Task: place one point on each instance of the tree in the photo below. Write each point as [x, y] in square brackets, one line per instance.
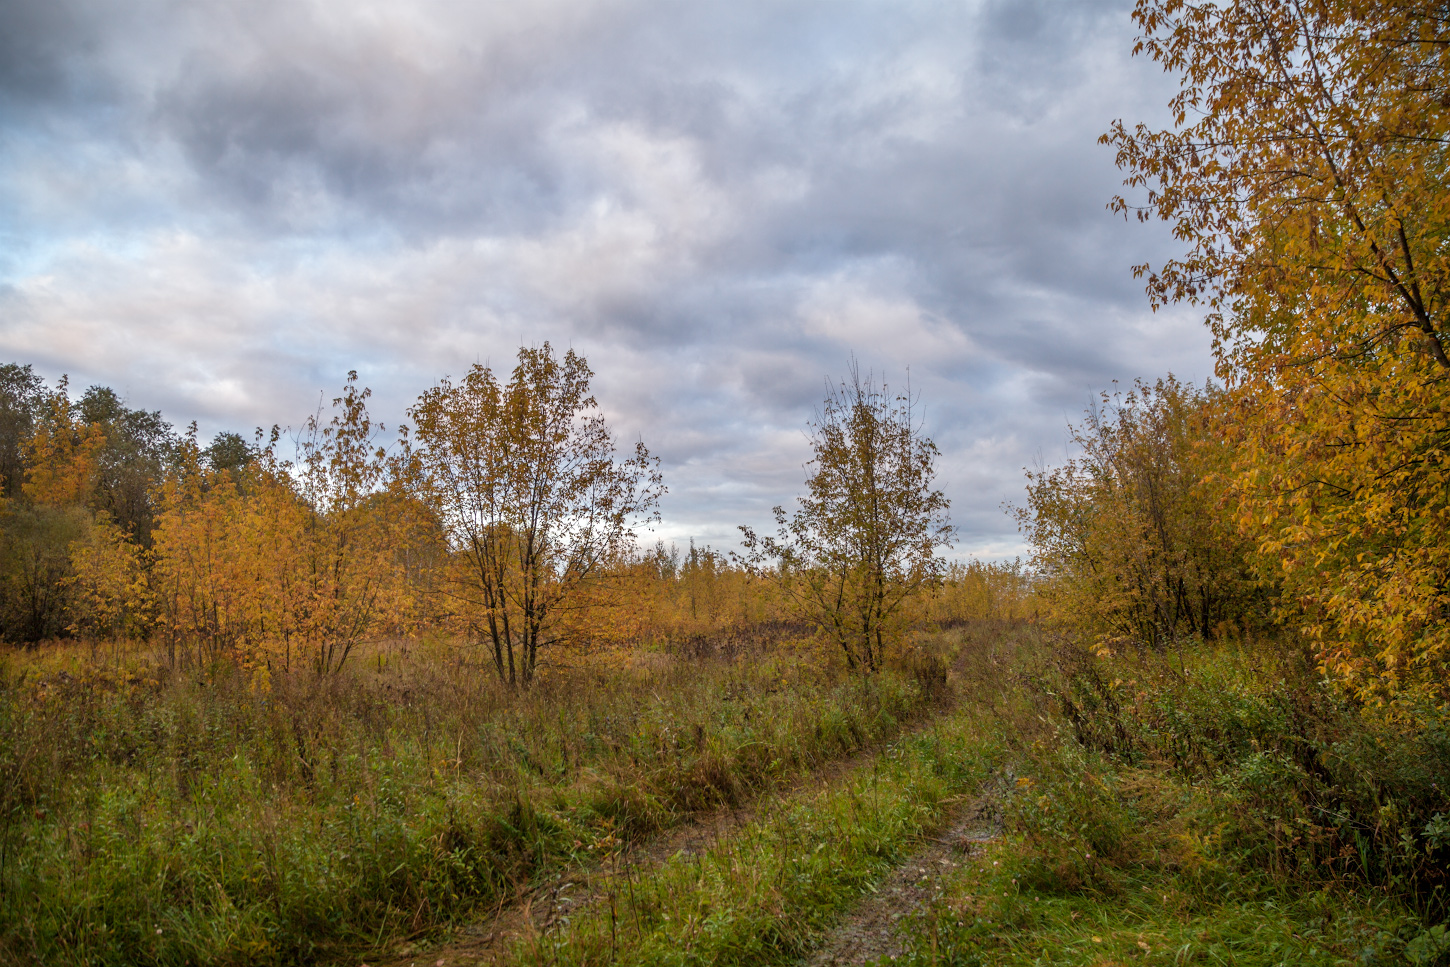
[213, 550]
[864, 538]
[129, 463]
[270, 559]
[1128, 538]
[109, 584]
[62, 453]
[22, 400]
[58, 457]
[1306, 173]
[35, 569]
[525, 482]
[229, 451]
[347, 534]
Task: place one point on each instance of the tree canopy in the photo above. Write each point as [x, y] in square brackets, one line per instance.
[1305, 173]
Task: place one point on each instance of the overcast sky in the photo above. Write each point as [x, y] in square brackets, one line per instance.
[220, 207]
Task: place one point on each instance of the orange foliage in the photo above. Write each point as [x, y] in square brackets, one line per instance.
[288, 561]
[1305, 173]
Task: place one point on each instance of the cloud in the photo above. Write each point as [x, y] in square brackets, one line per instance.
[220, 209]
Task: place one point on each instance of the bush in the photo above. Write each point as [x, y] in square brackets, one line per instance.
[1293, 776]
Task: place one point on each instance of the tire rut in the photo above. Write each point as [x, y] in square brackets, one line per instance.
[532, 914]
[870, 931]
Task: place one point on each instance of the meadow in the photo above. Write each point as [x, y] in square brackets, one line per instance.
[1219, 804]
[430, 697]
[152, 815]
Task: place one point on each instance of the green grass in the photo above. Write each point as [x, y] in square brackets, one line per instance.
[1204, 808]
[766, 894]
[1218, 807]
[1222, 805]
[984, 917]
[156, 818]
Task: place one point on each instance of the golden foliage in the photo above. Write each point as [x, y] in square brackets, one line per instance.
[213, 549]
[1307, 174]
[286, 561]
[524, 481]
[61, 454]
[1129, 538]
[111, 578]
[980, 591]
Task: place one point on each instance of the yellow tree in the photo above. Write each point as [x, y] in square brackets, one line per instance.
[211, 553]
[1306, 173]
[111, 581]
[346, 535]
[280, 559]
[61, 453]
[525, 481]
[56, 451]
[865, 537]
[978, 590]
[1128, 537]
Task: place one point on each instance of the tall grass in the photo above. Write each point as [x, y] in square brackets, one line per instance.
[156, 817]
[1217, 804]
[1302, 781]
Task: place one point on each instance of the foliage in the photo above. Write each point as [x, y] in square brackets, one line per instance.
[974, 591]
[1128, 538]
[229, 451]
[135, 455]
[864, 539]
[62, 453]
[279, 561]
[345, 579]
[110, 582]
[22, 399]
[1306, 173]
[79, 477]
[214, 548]
[524, 480]
[35, 568]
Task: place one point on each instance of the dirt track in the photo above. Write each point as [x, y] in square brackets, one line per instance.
[869, 930]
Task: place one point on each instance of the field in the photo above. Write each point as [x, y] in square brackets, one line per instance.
[728, 803]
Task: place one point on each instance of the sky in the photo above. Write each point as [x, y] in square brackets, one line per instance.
[220, 208]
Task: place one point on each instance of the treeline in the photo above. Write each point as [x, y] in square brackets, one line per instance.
[502, 514]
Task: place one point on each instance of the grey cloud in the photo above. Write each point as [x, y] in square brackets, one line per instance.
[225, 207]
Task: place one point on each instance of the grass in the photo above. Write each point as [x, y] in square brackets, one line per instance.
[1219, 807]
[766, 894]
[1205, 809]
[151, 817]
[1220, 804]
[984, 917]
[1160, 892]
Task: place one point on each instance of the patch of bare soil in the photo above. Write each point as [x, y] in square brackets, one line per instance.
[870, 930]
